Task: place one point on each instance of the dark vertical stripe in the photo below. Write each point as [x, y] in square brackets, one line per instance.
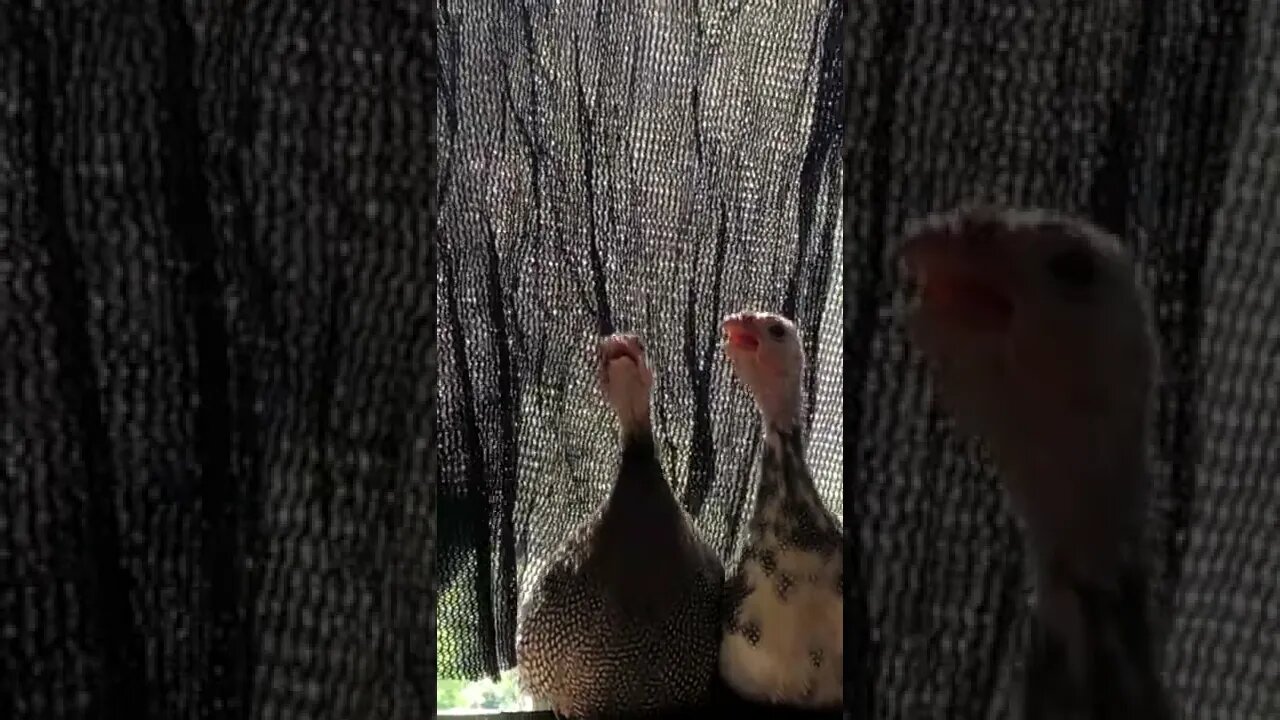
[825, 134]
[1214, 141]
[702, 461]
[862, 664]
[1113, 180]
[191, 228]
[110, 587]
[444, 112]
[477, 489]
[421, 663]
[239, 77]
[506, 472]
[588, 145]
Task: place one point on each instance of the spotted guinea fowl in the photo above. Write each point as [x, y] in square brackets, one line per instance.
[784, 634]
[1039, 341]
[625, 620]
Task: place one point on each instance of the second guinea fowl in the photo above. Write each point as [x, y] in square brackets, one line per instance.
[625, 621]
[784, 634]
[1039, 340]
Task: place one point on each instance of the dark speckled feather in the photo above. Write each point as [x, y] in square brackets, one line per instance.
[626, 619]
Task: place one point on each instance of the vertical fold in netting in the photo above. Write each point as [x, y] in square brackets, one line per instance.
[216, 364]
[1224, 657]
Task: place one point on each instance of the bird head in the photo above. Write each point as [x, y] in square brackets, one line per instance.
[765, 351]
[625, 379]
[1037, 337]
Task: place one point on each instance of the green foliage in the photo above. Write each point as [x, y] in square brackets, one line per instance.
[449, 693]
[484, 694]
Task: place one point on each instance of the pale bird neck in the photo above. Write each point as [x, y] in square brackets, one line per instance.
[781, 412]
[781, 428]
[632, 409]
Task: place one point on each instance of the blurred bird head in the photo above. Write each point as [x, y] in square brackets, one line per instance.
[1038, 339]
[625, 379]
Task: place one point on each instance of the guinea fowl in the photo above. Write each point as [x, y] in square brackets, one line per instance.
[625, 620]
[1040, 342]
[783, 638]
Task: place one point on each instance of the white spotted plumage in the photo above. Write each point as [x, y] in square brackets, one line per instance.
[783, 640]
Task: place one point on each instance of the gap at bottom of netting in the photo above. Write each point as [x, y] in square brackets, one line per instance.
[737, 711]
[724, 701]
[500, 698]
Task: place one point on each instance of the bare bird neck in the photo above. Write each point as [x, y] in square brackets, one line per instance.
[640, 475]
[640, 538]
[782, 419]
[635, 430]
[1090, 524]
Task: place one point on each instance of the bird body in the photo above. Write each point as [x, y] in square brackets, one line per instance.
[784, 631]
[1039, 341]
[625, 620]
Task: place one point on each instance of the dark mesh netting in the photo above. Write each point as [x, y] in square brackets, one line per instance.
[216, 360]
[218, 315]
[608, 167]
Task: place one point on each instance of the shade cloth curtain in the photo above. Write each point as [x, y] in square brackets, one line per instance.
[216, 387]
[620, 167]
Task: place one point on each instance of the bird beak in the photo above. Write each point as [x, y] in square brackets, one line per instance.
[739, 332]
[948, 279]
[616, 347]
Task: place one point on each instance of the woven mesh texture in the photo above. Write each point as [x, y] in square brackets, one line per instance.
[216, 369]
[611, 166]
[217, 348]
[1159, 121]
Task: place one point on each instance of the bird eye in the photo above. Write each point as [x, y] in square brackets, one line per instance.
[777, 331]
[1075, 268]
